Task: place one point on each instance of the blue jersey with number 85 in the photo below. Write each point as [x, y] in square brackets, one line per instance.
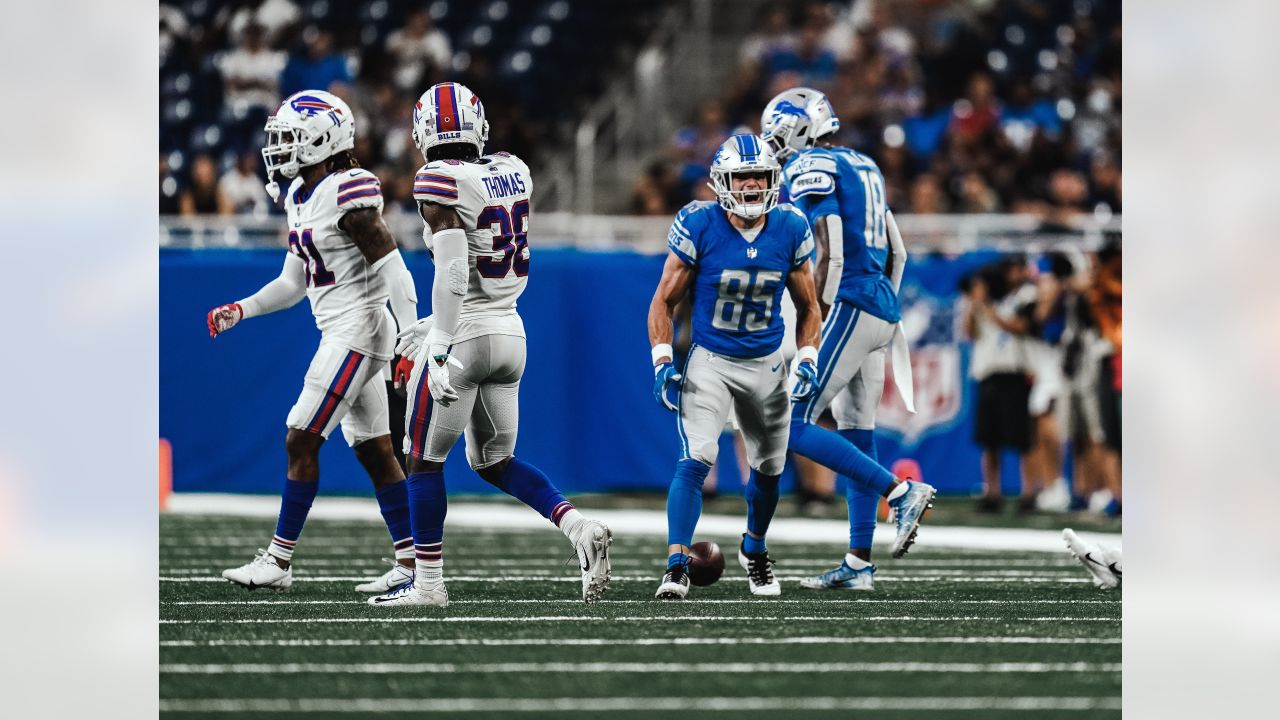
[738, 284]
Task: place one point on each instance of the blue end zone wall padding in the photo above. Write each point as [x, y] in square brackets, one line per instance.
[587, 415]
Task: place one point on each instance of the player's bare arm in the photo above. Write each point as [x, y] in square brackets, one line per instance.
[829, 261]
[673, 286]
[369, 232]
[800, 283]
[440, 217]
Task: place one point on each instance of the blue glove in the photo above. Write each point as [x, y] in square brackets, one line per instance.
[666, 379]
[806, 380]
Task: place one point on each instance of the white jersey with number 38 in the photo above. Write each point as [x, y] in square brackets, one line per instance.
[491, 196]
[347, 297]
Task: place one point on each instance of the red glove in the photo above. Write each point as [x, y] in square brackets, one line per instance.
[223, 318]
[400, 373]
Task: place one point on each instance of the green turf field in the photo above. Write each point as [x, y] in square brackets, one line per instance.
[946, 634]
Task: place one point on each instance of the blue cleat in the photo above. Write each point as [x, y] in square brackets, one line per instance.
[842, 577]
[910, 508]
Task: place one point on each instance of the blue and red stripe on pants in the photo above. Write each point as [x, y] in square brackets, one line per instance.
[337, 391]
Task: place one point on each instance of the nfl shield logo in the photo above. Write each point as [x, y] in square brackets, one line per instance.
[751, 252]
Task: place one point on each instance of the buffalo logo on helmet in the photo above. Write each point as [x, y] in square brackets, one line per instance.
[311, 105]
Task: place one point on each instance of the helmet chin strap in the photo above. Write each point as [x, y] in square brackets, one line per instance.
[273, 189]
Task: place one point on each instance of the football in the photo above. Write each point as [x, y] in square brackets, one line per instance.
[706, 563]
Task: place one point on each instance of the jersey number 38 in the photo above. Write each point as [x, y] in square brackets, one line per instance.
[510, 237]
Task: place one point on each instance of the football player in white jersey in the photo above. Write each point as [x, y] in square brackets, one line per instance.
[469, 356]
[343, 258]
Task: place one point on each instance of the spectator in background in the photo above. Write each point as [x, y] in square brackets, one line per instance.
[810, 60]
[773, 36]
[242, 187]
[1104, 176]
[419, 51]
[251, 74]
[976, 196]
[319, 68]
[926, 196]
[695, 145]
[275, 17]
[1105, 300]
[202, 196]
[976, 113]
[655, 192]
[995, 323]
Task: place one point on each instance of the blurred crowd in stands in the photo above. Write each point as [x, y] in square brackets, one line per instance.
[1046, 341]
[968, 106]
[225, 66]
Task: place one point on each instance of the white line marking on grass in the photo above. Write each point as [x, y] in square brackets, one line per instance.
[1065, 578]
[816, 599]
[646, 523]
[526, 668]
[637, 642]
[667, 703]
[629, 618]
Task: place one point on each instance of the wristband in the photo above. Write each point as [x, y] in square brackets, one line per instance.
[662, 350]
[808, 353]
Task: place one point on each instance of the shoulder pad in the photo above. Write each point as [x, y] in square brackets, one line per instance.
[814, 182]
[816, 159]
[358, 188]
[682, 239]
[504, 155]
[437, 182]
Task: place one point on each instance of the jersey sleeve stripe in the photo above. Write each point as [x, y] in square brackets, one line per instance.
[428, 177]
[357, 183]
[358, 193]
[435, 186]
[421, 192]
[804, 250]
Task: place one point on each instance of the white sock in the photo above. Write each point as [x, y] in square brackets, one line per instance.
[428, 572]
[282, 548]
[569, 522]
[404, 549]
[855, 562]
[898, 491]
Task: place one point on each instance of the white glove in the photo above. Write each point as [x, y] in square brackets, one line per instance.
[438, 361]
[411, 339]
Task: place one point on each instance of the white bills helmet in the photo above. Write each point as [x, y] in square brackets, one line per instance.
[745, 155]
[449, 113]
[794, 119]
[309, 127]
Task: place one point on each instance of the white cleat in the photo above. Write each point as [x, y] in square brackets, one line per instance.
[843, 577]
[390, 580]
[408, 594]
[1104, 565]
[592, 541]
[261, 572]
[759, 573]
[675, 584]
[909, 509]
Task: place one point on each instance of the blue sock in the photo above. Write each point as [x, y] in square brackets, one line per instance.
[428, 505]
[762, 501]
[684, 501]
[532, 487]
[295, 503]
[675, 559]
[828, 449]
[393, 501]
[862, 502]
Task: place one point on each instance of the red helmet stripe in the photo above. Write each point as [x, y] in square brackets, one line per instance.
[447, 109]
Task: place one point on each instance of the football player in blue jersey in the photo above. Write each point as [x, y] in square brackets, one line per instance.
[841, 193]
[735, 257]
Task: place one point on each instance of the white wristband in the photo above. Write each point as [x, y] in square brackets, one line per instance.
[807, 353]
[662, 350]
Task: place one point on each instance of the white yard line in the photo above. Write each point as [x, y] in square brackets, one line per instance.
[637, 642]
[629, 618]
[552, 563]
[816, 599]
[667, 703]
[527, 668]
[1064, 578]
[640, 522]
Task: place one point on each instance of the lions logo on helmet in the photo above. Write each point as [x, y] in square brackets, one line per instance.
[794, 120]
[745, 155]
[449, 113]
[308, 128]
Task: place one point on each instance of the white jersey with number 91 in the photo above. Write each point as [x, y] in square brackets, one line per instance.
[491, 196]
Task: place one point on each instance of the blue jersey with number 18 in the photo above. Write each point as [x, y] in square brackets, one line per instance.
[839, 181]
[738, 283]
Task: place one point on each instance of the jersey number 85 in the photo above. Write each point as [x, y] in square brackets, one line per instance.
[736, 289]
